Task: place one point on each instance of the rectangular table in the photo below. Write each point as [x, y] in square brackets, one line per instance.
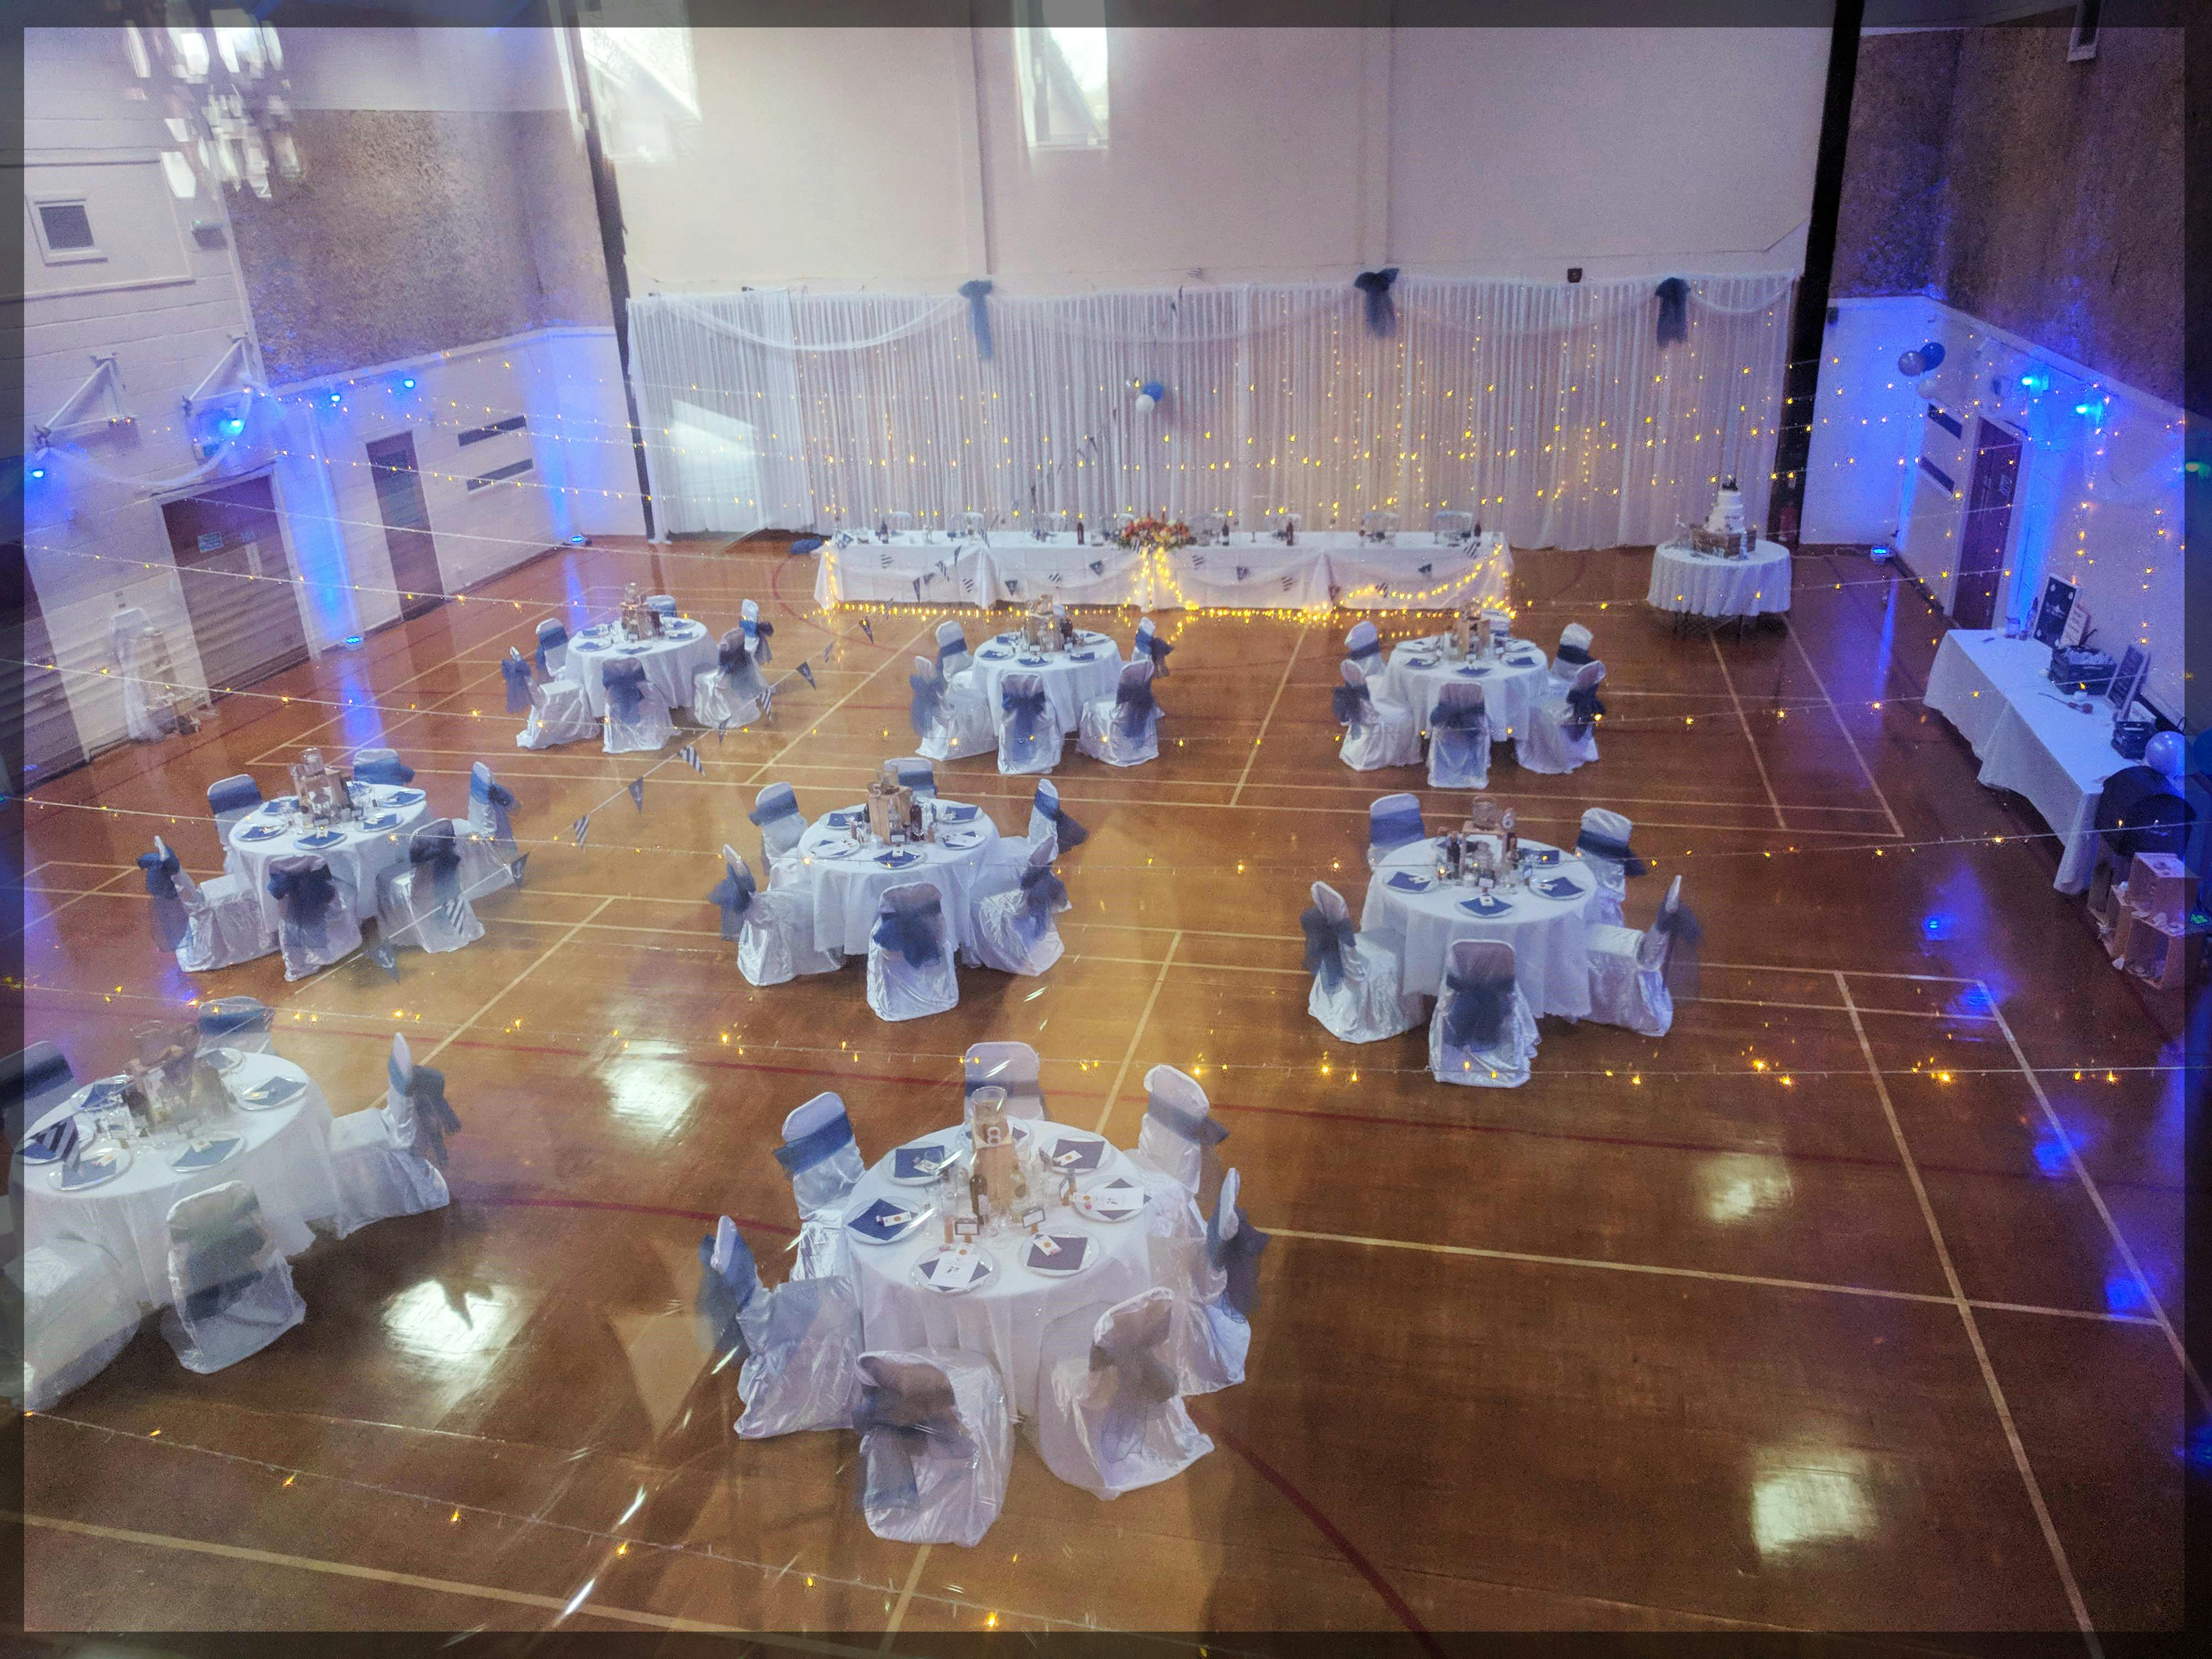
[1992, 689]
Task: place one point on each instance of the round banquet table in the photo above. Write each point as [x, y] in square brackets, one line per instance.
[845, 883]
[1514, 681]
[671, 661]
[1071, 678]
[1004, 1319]
[1549, 936]
[1707, 585]
[286, 1159]
[359, 854]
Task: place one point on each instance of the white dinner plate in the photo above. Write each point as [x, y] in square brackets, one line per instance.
[985, 1268]
[93, 1170]
[1118, 1199]
[1074, 1253]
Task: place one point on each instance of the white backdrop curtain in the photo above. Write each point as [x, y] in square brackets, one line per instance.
[1549, 411]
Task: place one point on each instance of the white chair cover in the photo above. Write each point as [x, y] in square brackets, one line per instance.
[1504, 1063]
[775, 811]
[415, 906]
[1149, 647]
[559, 713]
[756, 633]
[1029, 730]
[823, 1163]
[734, 692]
[382, 767]
[1459, 755]
[940, 1487]
[1379, 733]
[310, 936]
[953, 657]
[649, 728]
[1572, 657]
[1014, 932]
[1392, 822]
[1108, 1417]
[244, 1023]
[661, 603]
[224, 922]
[553, 649]
[1363, 646]
[230, 1287]
[957, 722]
[801, 1340]
[77, 1316]
[1610, 828]
[1007, 858]
[1103, 732]
[487, 849]
[899, 986]
[1214, 1280]
[1550, 745]
[1355, 992]
[1172, 1146]
[381, 1156]
[1011, 1066]
[774, 936]
[915, 773]
[1628, 973]
[229, 800]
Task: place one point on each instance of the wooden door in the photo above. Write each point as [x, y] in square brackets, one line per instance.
[245, 630]
[415, 570]
[1988, 520]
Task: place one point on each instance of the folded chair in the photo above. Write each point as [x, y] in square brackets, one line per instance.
[733, 692]
[77, 1315]
[637, 714]
[1012, 1068]
[1603, 846]
[949, 722]
[489, 854]
[1030, 731]
[1376, 734]
[774, 937]
[1562, 734]
[1634, 977]
[207, 925]
[317, 925]
[1393, 821]
[799, 1345]
[1124, 729]
[425, 904]
[1014, 932]
[560, 713]
[823, 1164]
[1459, 737]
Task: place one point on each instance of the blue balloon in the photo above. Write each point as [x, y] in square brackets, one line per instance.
[1153, 390]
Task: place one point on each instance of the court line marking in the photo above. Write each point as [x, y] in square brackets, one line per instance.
[896, 654]
[1974, 1341]
[309, 699]
[1144, 1018]
[1781, 819]
[2097, 1198]
[905, 1595]
[1865, 770]
[1260, 736]
[53, 910]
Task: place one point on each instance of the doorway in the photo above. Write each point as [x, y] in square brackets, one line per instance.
[245, 630]
[1987, 524]
[37, 730]
[415, 570]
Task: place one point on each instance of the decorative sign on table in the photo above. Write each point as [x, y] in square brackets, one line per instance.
[2051, 616]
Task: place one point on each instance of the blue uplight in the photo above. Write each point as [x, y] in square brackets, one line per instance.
[234, 425]
[2037, 380]
[1938, 925]
[2123, 1293]
[335, 398]
[38, 472]
[353, 639]
[408, 385]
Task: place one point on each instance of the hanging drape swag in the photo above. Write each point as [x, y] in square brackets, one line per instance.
[1042, 893]
[1582, 708]
[1142, 1384]
[434, 1119]
[1026, 713]
[1469, 717]
[1382, 315]
[1674, 297]
[171, 924]
[625, 686]
[1326, 940]
[305, 896]
[1475, 1018]
[435, 851]
[1071, 833]
[978, 294]
[1684, 935]
[723, 1296]
[1134, 706]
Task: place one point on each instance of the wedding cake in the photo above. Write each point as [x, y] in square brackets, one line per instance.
[1726, 517]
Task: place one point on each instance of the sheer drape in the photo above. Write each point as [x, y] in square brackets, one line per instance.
[1551, 412]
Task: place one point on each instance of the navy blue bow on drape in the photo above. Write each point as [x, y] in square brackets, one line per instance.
[1071, 834]
[1614, 852]
[898, 1424]
[1142, 1384]
[726, 1295]
[913, 933]
[1133, 709]
[757, 635]
[1475, 1016]
[1327, 941]
[1582, 709]
[1350, 704]
[434, 850]
[1573, 654]
[1239, 1257]
[927, 712]
[1042, 895]
[1025, 711]
[1684, 934]
[171, 924]
[1382, 315]
[977, 295]
[734, 893]
[516, 672]
[1674, 297]
[305, 895]
[625, 684]
[558, 639]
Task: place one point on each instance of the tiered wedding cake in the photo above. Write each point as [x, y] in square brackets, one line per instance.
[1724, 531]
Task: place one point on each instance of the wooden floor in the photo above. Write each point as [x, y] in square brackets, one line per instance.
[1848, 1305]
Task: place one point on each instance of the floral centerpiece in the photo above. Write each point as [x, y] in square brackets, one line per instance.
[1163, 534]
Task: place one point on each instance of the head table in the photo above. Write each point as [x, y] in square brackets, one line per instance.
[846, 877]
[1551, 953]
[359, 849]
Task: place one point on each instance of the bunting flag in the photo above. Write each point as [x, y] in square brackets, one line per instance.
[869, 631]
[450, 914]
[807, 673]
[689, 754]
[637, 793]
[829, 652]
[722, 730]
[580, 828]
[517, 868]
[382, 955]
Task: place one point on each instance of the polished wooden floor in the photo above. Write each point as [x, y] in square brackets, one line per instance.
[1850, 1305]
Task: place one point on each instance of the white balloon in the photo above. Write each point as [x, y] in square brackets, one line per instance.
[1146, 404]
[1928, 385]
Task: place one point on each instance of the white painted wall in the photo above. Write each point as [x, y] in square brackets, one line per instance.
[894, 159]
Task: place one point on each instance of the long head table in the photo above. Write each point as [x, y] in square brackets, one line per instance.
[1324, 568]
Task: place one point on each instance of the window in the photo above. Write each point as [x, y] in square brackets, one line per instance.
[65, 229]
[1063, 75]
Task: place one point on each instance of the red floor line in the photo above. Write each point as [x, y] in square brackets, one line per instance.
[1328, 1528]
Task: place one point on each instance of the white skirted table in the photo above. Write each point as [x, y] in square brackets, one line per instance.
[1003, 1315]
[1072, 678]
[359, 850]
[846, 877]
[1998, 693]
[1549, 936]
[1693, 584]
[279, 1143]
[671, 661]
[1514, 681]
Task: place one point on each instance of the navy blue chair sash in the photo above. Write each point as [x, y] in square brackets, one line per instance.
[515, 671]
[625, 684]
[1026, 712]
[1685, 933]
[1326, 944]
[1582, 708]
[1236, 1256]
[800, 1156]
[1475, 1017]
[734, 893]
[171, 924]
[1196, 1127]
[435, 851]
[1350, 704]
[1574, 654]
[1394, 828]
[306, 897]
[916, 934]
[1615, 852]
[554, 640]
[1133, 706]
[1071, 833]
[897, 1427]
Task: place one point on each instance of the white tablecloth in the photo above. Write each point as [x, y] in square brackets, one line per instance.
[1707, 585]
[1550, 951]
[286, 1160]
[1068, 682]
[845, 891]
[1253, 572]
[1512, 690]
[359, 854]
[1993, 689]
[1004, 1319]
[670, 661]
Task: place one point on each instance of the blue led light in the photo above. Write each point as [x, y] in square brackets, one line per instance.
[335, 396]
[408, 384]
[38, 472]
[353, 639]
[1938, 924]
